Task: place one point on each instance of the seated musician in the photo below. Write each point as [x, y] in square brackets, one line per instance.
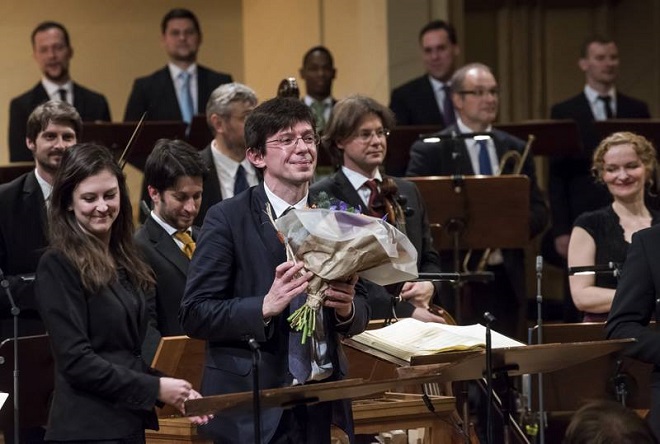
[475, 96]
[626, 163]
[356, 136]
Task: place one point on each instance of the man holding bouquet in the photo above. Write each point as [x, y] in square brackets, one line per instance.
[241, 287]
[356, 136]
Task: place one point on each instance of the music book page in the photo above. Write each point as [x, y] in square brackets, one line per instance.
[410, 337]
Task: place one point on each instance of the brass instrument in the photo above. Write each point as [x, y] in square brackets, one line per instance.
[517, 166]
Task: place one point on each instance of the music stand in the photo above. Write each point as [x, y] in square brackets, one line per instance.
[596, 379]
[649, 128]
[399, 143]
[14, 170]
[199, 135]
[115, 136]
[553, 138]
[475, 212]
[36, 381]
[515, 361]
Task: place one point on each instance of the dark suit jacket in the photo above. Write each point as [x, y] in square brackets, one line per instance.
[23, 239]
[417, 230]
[446, 158]
[212, 193]
[635, 303]
[414, 103]
[156, 94]
[103, 388]
[170, 266]
[572, 188]
[231, 272]
[90, 105]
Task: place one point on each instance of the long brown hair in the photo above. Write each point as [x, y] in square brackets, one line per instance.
[97, 263]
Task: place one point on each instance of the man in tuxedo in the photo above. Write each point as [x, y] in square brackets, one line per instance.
[572, 187]
[318, 72]
[52, 51]
[476, 96]
[181, 89]
[174, 174]
[635, 304]
[357, 136]
[230, 172]
[426, 100]
[241, 287]
[52, 127]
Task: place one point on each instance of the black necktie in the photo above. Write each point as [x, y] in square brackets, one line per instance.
[449, 116]
[240, 181]
[62, 93]
[606, 104]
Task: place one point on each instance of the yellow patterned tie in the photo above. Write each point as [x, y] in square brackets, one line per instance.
[188, 243]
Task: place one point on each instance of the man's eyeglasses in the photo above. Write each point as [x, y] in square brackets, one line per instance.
[289, 142]
[365, 136]
[479, 93]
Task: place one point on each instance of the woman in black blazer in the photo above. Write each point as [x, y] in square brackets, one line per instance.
[90, 292]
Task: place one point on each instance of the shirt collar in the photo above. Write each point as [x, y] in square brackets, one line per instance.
[464, 129]
[280, 206]
[52, 87]
[327, 102]
[46, 188]
[227, 163]
[437, 84]
[169, 229]
[592, 94]
[358, 180]
[175, 70]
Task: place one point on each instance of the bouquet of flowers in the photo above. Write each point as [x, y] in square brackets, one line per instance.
[335, 244]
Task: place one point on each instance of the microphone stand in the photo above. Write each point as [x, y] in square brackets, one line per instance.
[15, 312]
[256, 402]
[489, 378]
[539, 323]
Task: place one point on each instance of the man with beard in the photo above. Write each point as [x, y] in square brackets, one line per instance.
[229, 170]
[51, 128]
[52, 51]
[181, 89]
[174, 173]
[318, 72]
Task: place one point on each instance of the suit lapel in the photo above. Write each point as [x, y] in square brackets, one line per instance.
[264, 226]
[430, 103]
[39, 95]
[212, 185]
[166, 246]
[34, 198]
[129, 301]
[78, 100]
[344, 191]
[169, 91]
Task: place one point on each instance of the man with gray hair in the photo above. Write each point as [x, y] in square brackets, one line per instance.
[229, 171]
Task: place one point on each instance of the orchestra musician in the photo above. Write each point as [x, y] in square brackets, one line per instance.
[626, 163]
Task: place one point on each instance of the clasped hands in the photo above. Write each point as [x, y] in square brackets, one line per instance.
[291, 279]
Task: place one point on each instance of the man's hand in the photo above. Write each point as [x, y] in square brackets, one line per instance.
[423, 314]
[419, 294]
[339, 295]
[174, 391]
[197, 420]
[285, 287]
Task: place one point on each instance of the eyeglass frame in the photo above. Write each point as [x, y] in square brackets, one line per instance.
[364, 138]
[294, 143]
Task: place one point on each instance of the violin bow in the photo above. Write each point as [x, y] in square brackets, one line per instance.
[123, 158]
